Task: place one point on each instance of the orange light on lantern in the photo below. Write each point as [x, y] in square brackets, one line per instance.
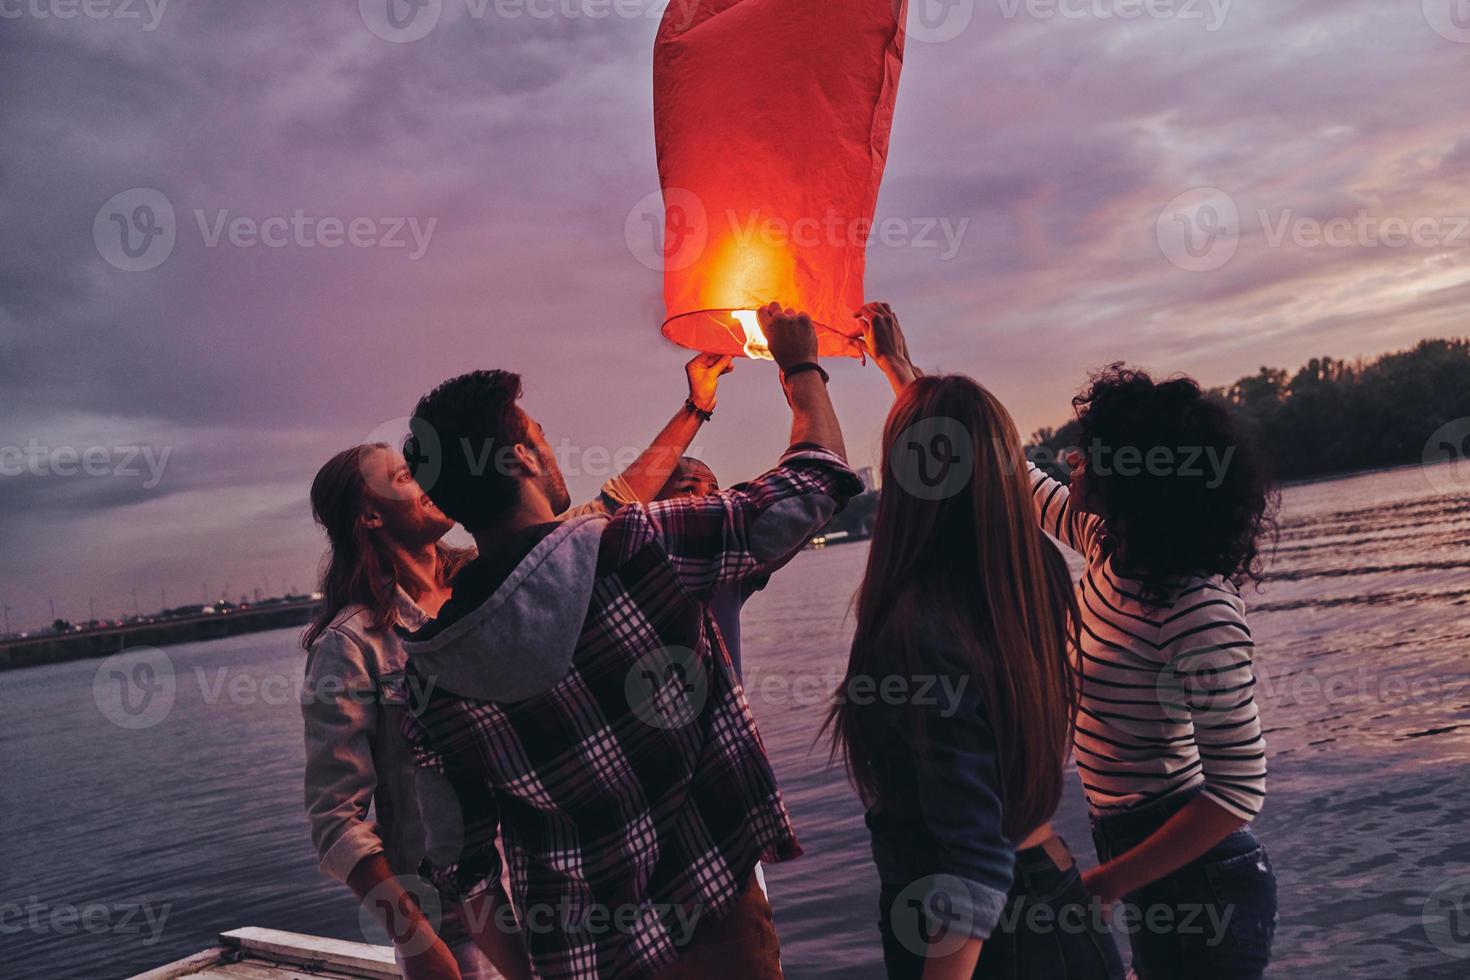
[772, 122]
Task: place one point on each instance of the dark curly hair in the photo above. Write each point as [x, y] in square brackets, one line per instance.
[461, 432]
[1182, 490]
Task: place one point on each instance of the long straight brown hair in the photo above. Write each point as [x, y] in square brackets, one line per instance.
[356, 569]
[976, 559]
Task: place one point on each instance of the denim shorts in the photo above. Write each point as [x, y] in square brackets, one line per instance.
[1051, 929]
[1213, 919]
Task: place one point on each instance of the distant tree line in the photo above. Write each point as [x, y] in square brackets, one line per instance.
[1334, 416]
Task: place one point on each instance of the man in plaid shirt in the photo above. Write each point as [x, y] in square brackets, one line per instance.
[573, 697]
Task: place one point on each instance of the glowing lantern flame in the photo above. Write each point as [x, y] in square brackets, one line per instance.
[755, 345]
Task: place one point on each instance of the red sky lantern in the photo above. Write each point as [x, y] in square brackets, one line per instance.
[772, 120]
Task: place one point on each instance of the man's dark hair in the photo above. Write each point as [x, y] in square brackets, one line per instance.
[1182, 519]
[460, 449]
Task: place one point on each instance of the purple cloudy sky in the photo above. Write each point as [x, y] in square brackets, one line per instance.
[1059, 137]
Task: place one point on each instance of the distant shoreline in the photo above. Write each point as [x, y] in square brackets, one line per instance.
[52, 648]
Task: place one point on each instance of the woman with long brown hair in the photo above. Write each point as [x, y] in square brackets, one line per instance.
[955, 715]
[374, 515]
[386, 566]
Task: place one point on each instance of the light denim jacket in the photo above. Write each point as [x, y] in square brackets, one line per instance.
[354, 754]
[356, 760]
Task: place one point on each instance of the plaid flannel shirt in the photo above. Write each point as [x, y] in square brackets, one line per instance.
[634, 796]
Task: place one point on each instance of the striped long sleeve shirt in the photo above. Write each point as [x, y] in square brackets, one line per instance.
[1168, 687]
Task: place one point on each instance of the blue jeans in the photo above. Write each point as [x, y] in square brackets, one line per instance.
[1213, 919]
[1069, 940]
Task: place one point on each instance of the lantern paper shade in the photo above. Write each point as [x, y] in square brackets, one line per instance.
[772, 120]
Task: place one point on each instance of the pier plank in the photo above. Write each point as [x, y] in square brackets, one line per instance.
[253, 953]
[292, 947]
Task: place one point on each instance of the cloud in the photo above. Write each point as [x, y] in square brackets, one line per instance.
[1055, 142]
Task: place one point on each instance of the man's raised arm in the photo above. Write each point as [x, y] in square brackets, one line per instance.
[646, 476]
[793, 343]
[651, 470]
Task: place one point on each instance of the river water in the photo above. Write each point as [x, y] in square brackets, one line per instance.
[126, 846]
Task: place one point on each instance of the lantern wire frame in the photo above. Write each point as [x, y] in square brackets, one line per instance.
[720, 331]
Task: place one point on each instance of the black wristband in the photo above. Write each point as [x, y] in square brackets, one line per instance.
[704, 416]
[796, 369]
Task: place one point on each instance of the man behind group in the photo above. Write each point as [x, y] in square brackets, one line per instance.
[692, 478]
[577, 704]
